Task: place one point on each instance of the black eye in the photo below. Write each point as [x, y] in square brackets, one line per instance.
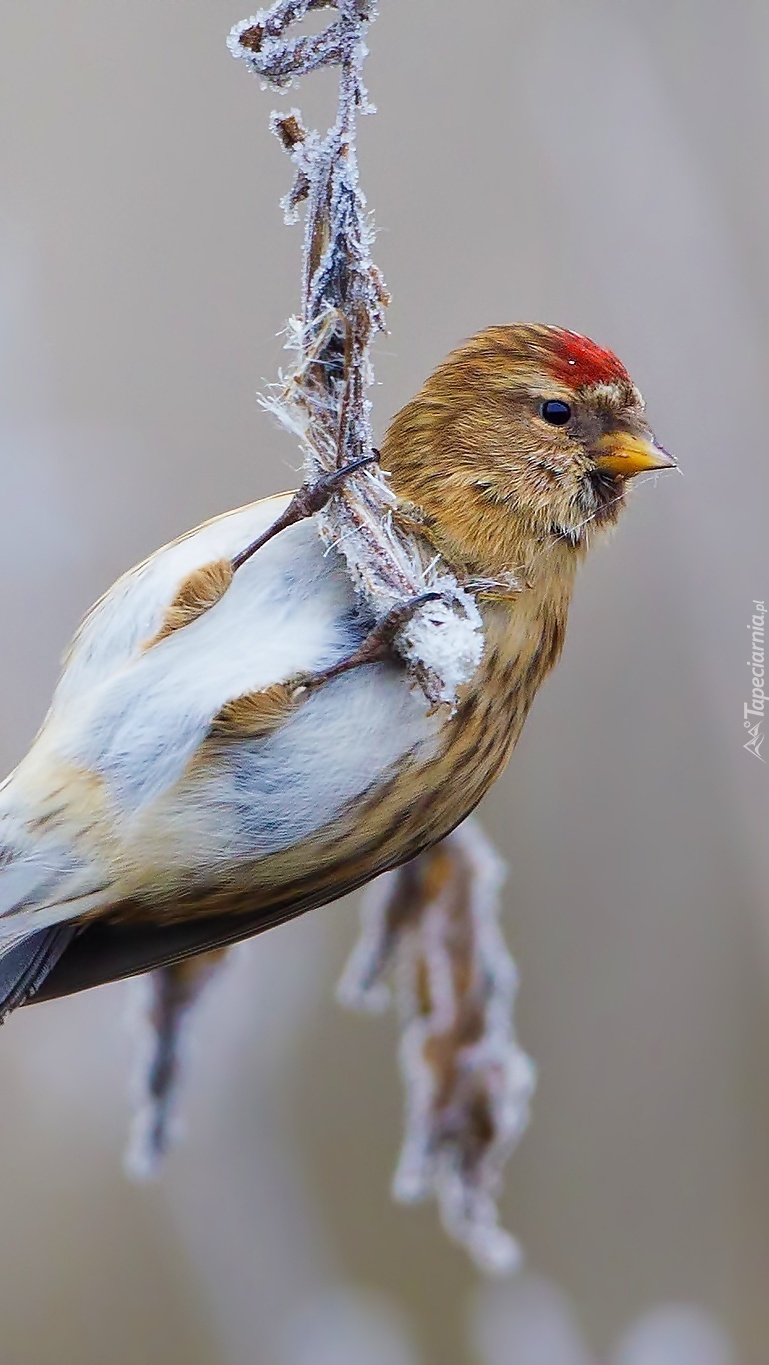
[555, 412]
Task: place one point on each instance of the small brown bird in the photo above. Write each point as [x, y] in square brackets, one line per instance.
[231, 742]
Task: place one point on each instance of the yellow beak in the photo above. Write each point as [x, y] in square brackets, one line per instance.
[620, 452]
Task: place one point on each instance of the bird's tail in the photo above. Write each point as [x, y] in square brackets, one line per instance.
[44, 890]
[24, 967]
[43, 893]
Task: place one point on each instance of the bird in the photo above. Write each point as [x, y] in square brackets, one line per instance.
[234, 740]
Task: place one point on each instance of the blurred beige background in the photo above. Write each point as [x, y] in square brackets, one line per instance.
[589, 162]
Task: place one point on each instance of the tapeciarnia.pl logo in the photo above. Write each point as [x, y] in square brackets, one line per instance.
[754, 711]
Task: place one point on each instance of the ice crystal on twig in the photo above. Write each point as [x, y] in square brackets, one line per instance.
[169, 995]
[432, 926]
[323, 398]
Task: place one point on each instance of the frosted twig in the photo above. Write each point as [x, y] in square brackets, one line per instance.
[433, 927]
[323, 399]
[171, 993]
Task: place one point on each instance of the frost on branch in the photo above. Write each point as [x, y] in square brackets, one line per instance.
[322, 399]
[432, 928]
[169, 993]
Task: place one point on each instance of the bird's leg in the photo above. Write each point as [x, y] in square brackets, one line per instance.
[376, 647]
[309, 499]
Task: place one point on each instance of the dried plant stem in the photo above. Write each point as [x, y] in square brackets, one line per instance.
[169, 994]
[323, 398]
[432, 927]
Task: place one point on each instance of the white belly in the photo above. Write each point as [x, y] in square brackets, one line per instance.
[137, 718]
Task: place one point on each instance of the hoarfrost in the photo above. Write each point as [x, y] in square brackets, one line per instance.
[432, 928]
[322, 400]
[168, 995]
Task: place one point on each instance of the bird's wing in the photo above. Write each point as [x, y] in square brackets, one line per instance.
[134, 609]
[47, 796]
[124, 796]
[47, 877]
[101, 952]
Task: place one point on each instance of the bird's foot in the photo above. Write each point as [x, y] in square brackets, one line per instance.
[378, 645]
[309, 499]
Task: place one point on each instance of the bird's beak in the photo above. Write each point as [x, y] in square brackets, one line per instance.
[624, 453]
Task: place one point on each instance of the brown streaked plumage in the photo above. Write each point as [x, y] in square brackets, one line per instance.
[196, 595]
[255, 713]
[226, 796]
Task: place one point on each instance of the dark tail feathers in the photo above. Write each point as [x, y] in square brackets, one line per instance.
[24, 967]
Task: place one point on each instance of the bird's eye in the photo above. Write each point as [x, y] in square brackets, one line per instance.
[555, 412]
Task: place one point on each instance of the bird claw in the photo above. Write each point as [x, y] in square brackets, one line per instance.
[313, 497]
[309, 499]
[377, 646]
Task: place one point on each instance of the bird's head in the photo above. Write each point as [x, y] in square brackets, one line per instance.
[522, 441]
